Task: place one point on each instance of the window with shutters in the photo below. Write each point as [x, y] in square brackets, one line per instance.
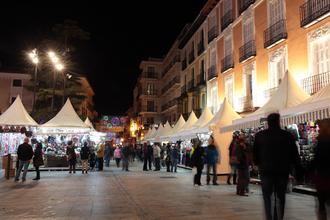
[229, 89]
[275, 11]
[277, 67]
[248, 30]
[228, 47]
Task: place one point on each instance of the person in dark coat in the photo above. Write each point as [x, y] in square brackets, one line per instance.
[24, 154]
[242, 166]
[38, 160]
[197, 160]
[212, 158]
[175, 155]
[168, 158]
[321, 164]
[107, 155]
[233, 160]
[84, 156]
[150, 155]
[145, 156]
[72, 158]
[125, 154]
[275, 153]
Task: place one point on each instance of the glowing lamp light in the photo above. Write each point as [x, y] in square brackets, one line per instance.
[59, 67]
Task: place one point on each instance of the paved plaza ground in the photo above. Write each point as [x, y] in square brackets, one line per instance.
[114, 194]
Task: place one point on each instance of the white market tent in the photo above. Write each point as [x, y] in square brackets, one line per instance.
[17, 115]
[152, 134]
[157, 132]
[316, 107]
[166, 129]
[203, 121]
[188, 125]
[66, 118]
[179, 124]
[146, 136]
[288, 94]
[89, 123]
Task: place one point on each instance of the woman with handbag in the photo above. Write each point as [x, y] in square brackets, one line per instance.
[38, 160]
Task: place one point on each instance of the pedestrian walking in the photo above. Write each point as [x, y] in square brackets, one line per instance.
[84, 156]
[92, 159]
[72, 157]
[212, 158]
[242, 167]
[275, 153]
[150, 155]
[145, 156]
[233, 162]
[100, 156]
[24, 155]
[321, 164]
[156, 153]
[117, 155]
[175, 155]
[38, 160]
[107, 155]
[168, 158]
[197, 160]
[125, 155]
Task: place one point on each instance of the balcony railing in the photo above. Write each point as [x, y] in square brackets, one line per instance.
[315, 83]
[227, 63]
[213, 33]
[245, 4]
[191, 57]
[153, 92]
[175, 60]
[191, 85]
[174, 81]
[312, 11]
[184, 64]
[275, 34]
[212, 72]
[247, 51]
[227, 19]
[145, 108]
[183, 90]
[149, 75]
[245, 103]
[200, 47]
[201, 79]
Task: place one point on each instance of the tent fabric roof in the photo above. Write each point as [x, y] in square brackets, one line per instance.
[89, 123]
[179, 124]
[159, 130]
[316, 107]
[17, 115]
[66, 118]
[151, 134]
[203, 120]
[188, 125]
[167, 128]
[288, 94]
[146, 136]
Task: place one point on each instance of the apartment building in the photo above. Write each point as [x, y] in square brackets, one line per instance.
[241, 49]
[148, 91]
[11, 85]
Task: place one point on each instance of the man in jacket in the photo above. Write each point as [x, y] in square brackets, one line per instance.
[100, 156]
[275, 152]
[149, 155]
[84, 156]
[197, 160]
[157, 157]
[212, 157]
[125, 153]
[175, 158]
[24, 154]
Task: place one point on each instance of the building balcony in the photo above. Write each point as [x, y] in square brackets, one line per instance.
[169, 66]
[183, 90]
[313, 11]
[183, 64]
[191, 57]
[200, 47]
[227, 19]
[149, 75]
[148, 109]
[212, 72]
[275, 34]
[172, 84]
[147, 92]
[227, 63]
[244, 4]
[247, 51]
[213, 33]
[245, 103]
[201, 80]
[191, 85]
[315, 83]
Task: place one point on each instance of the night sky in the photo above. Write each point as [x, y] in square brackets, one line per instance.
[122, 34]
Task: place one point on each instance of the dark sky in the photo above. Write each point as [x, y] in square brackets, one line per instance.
[122, 34]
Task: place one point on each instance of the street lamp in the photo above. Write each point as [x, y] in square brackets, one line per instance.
[35, 60]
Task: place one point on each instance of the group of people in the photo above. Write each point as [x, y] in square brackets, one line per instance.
[155, 155]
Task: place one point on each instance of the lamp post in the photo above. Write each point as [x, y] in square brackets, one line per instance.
[35, 60]
[57, 67]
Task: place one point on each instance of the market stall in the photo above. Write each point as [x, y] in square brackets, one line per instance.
[15, 125]
[54, 134]
[166, 130]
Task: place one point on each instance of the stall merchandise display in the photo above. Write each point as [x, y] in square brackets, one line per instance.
[9, 142]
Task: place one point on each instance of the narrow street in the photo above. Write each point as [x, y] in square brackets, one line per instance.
[114, 194]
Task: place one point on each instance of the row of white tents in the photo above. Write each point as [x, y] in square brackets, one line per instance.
[294, 105]
[66, 118]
